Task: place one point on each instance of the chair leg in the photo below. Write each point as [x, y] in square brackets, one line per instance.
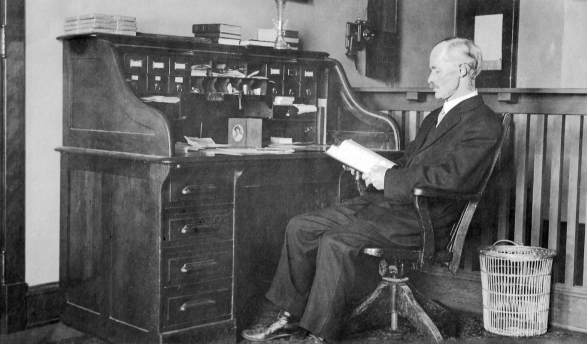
[393, 305]
[408, 307]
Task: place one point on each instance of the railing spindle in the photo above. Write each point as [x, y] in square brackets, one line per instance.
[537, 130]
[520, 163]
[555, 157]
[583, 196]
[572, 144]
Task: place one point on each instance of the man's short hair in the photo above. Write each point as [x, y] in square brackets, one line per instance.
[465, 51]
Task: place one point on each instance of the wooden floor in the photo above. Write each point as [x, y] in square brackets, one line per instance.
[471, 332]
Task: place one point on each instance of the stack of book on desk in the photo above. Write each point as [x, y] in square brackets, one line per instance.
[102, 23]
[218, 33]
[266, 38]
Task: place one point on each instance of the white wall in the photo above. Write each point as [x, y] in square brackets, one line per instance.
[552, 44]
[321, 24]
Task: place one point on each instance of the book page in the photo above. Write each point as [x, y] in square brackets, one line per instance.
[358, 157]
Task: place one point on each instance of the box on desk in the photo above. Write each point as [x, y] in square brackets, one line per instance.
[245, 132]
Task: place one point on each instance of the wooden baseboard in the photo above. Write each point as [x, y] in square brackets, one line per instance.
[44, 304]
[460, 293]
[568, 308]
[463, 293]
[13, 307]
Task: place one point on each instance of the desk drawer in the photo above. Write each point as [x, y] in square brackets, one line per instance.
[202, 263]
[205, 301]
[205, 187]
[205, 224]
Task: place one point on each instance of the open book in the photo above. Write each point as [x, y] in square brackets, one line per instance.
[358, 157]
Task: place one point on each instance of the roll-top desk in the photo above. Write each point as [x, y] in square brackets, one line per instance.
[160, 247]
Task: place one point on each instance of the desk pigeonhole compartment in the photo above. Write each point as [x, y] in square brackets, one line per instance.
[137, 82]
[135, 64]
[158, 83]
[308, 82]
[179, 65]
[157, 65]
[179, 84]
[275, 75]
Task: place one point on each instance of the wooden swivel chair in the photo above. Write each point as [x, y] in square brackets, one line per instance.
[396, 263]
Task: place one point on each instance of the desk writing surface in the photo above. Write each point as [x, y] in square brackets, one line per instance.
[200, 157]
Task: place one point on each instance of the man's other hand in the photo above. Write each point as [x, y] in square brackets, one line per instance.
[376, 177]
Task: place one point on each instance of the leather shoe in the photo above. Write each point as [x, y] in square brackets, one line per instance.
[284, 326]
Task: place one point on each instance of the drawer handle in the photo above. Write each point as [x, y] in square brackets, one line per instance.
[196, 304]
[191, 228]
[192, 189]
[187, 267]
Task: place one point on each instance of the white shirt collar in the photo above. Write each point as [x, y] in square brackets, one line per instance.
[450, 104]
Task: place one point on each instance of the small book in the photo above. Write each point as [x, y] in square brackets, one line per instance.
[95, 21]
[358, 157]
[272, 38]
[214, 35]
[113, 26]
[258, 43]
[226, 41]
[286, 33]
[100, 30]
[214, 28]
[100, 16]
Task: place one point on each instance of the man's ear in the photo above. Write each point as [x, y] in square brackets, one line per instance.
[463, 70]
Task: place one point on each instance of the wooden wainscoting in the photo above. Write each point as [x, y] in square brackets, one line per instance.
[538, 198]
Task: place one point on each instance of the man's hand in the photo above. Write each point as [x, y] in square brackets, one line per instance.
[354, 172]
[376, 177]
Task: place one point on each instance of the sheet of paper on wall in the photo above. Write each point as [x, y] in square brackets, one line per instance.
[488, 36]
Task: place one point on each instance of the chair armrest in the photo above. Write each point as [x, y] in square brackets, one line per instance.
[459, 196]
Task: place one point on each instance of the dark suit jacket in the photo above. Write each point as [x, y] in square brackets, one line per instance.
[454, 157]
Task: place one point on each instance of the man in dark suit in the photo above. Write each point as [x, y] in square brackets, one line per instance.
[320, 260]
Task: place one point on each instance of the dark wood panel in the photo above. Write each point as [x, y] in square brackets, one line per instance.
[120, 121]
[134, 271]
[12, 168]
[86, 252]
[44, 304]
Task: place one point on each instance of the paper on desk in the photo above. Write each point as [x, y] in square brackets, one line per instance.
[184, 148]
[248, 151]
[203, 142]
[281, 140]
[303, 108]
[160, 99]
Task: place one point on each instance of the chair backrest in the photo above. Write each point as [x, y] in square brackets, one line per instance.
[460, 228]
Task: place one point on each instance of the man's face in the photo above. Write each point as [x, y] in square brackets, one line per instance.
[444, 74]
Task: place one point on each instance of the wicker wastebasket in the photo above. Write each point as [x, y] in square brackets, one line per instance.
[516, 288]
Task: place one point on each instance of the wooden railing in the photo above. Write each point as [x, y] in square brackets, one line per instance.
[540, 198]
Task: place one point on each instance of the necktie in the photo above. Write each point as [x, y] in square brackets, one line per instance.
[440, 117]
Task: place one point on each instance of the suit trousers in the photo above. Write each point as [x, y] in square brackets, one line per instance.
[321, 272]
